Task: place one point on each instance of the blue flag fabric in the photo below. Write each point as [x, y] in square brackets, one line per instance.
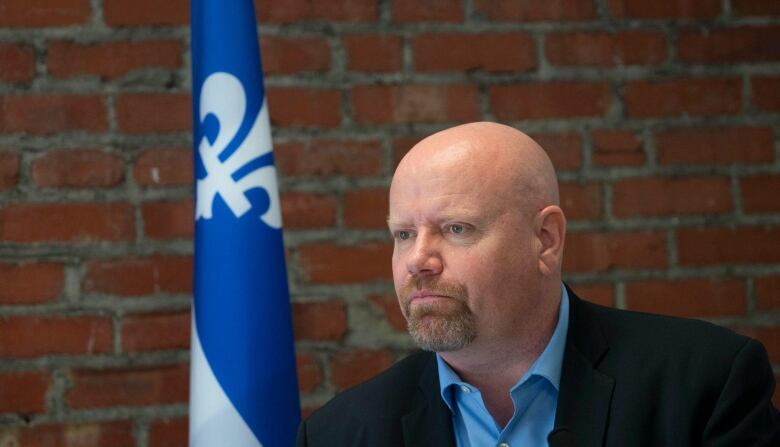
[244, 389]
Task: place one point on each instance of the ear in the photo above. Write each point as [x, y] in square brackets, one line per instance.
[550, 226]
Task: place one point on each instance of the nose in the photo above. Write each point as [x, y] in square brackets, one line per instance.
[425, 257]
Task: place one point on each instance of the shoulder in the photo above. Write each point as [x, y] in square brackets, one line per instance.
[374, 404]
[662, 334]
[661, 348]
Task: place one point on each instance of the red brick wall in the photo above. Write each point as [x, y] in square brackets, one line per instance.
[663, 119]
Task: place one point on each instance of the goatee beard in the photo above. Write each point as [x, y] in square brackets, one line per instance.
[439, 326]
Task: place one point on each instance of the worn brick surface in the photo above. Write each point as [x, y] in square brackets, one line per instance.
[661, 119]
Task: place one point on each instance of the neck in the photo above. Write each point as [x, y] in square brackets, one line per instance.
[495, 366]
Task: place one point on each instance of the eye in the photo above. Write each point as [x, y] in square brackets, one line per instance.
[457, 229]
[404, 235]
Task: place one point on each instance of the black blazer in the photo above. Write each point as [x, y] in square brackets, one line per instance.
[628, 379]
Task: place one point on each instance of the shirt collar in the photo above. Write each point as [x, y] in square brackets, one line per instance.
[547, 365]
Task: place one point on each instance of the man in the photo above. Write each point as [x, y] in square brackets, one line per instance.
[513, 356]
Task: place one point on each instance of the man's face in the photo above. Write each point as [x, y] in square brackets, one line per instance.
[463, 259]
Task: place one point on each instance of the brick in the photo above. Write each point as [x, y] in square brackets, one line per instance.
[39, 13]
[715, 145]
[169, 219]
[682, 9]
[604, 251]
[282, 55]
[697, 297]
[349, 368]
[323, 320]
[659, 196]
[9, 170]
[373, 52]
[152, 385]
[350, 158]
[702, 96]
[402, 145]
[156, 331]
[327, 263]
[32, 336]
[366, 208]
[729, 45]
[580, 200]
[492, 52]
[768, 336]
[599, 293]
[17, 62]
[602, 49]
[67, 222]
[309, 372]
[30, 282]
[308, 210]
[766, 93]
[154, 112]
[564, 149]
[304, 107]
[291, 11]
[617, 148]
[405, 11]
[536, 10]
[139, 276]
[759, 193]
[390, 310]
[768, 292]
[168, 432]
[146, 12]
[164, 166]
[23, 392]
[78, 168]
[87, 434]
[740, 245]
[415, 103]
[551, 99]
[64, 113]
[111, 60]
[755, 8]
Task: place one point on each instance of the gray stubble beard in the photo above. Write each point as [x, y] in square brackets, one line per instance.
[439, 329]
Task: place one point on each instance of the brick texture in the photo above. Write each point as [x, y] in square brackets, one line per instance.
[30, 283]
[557, 99]
[23, 392]
[17, 62]
[94, 388]
[460, 52]
[112, 59]
[80, 168]
[30, 336]
[63, 112]
[66, 222]
[606, 49]
[661, 118]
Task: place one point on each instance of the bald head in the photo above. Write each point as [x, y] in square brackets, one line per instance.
[512, 163]
[478, 238]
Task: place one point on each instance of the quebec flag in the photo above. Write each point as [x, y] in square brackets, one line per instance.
[244, 390]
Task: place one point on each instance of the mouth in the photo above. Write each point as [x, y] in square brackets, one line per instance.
[421, 297]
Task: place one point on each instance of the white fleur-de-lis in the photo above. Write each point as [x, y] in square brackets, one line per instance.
[223, 96]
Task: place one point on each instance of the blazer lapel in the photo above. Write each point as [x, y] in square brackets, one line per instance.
[429, 423]
[585, 393]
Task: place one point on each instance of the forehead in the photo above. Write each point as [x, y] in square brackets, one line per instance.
[451, 180]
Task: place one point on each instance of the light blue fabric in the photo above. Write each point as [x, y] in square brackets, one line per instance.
[535, 397]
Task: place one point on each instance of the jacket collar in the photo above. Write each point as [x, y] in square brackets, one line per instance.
[585, 393]
[429, 422]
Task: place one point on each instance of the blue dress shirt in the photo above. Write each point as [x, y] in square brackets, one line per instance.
[535, 397]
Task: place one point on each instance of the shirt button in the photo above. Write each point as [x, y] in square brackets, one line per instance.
[467, 390]
[504, 444]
